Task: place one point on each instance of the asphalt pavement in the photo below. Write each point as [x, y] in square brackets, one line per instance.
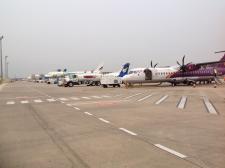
[146, 126]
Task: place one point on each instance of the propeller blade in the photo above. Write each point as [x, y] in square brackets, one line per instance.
[151, 64]
[183, 60]
[178, 63]
[155, 65]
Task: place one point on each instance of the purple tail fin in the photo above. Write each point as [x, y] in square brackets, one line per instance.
[222, 65]
[223, 58]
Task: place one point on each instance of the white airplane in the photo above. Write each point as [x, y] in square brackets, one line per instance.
[55, 74]
[150, 75]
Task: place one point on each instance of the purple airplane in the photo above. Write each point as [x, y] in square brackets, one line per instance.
[183, 73]
[192, 73]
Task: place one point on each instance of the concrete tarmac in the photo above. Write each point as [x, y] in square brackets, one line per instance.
[150, 126]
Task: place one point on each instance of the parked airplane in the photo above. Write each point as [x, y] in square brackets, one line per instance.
[186, 74]
[83, 76]
[55, 74]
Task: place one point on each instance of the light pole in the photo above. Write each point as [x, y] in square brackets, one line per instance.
[6, 67]
[1, 57]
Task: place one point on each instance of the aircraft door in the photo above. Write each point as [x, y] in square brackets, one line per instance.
[148, 74]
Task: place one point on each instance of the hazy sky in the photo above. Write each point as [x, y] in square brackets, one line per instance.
[43, 35]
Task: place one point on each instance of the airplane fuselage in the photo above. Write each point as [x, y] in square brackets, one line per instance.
[171, 74]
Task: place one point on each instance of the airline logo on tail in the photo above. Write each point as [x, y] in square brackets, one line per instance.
[124, 70]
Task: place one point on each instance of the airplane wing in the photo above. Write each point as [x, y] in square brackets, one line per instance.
[209, 63]
[189, 79]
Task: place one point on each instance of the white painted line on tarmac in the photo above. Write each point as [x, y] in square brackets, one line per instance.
[182, 102]
[106, 96]
[76, 108]
[63, 99]
[38, 101]
[62, 102]
[170, 151]
[69, 105]
[86, 98]
[74, 98]
[103, 120]
[162, 99]
[88, 113]
[97, 97]
[209, 106]
[10, 102]
[144, 98]
[127, 131]
[24, 102]
[132, 96]
[51, 100]
[118, 95]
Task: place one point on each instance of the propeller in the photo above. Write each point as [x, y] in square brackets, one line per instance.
[183, 67]
[154, 65]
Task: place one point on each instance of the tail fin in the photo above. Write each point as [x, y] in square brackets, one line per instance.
[99, 68]
[223, 58]
[222, 65]
[124, 70]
